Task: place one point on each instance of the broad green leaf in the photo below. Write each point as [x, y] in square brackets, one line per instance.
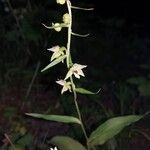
[58, 118]
[66, 143]
[55, 62]
[84, 91]
[110, 128]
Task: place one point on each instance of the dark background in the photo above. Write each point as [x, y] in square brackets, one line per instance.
[116, 53]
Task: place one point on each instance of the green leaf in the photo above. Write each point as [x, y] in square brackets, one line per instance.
[55, 62]
[84, 91]
[66, 143]
[58, 118]
[110, 128]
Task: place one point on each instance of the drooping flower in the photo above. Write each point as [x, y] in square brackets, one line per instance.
[66, 18]
[66, 85]
[61, 2]
[76, 70]
[57, 51]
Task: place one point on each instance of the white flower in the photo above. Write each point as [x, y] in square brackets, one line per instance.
[66, 18]
[66, 85]
[57, 51]
[57, 26]
[55, 148]
[76, 69]
[61, 2]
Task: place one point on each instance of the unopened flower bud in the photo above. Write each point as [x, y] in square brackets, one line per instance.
[57, 27]
[66, 18]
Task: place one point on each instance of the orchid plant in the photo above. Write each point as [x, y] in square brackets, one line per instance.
[62, 54]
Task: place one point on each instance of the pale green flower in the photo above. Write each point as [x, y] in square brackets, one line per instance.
[66, 18]
[76, 70]
[57, 51]
[66, 85]
[61, 2]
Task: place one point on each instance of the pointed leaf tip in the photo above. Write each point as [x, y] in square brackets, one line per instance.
[58, 118]
[85, 91]
[55, 62]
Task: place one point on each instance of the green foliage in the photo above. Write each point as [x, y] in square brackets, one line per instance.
[25, 41]
[110, 128]
[66, 143]
[58, 118]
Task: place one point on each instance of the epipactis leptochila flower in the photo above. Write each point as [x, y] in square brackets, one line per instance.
[61, 2]
[76, 70]
[66, 85]
[57, 51]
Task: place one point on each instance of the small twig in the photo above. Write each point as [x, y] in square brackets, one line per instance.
[80, 35]
[80, 8]
[12, 145]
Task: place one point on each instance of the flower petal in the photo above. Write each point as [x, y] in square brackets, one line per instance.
[77, 75]
[68, 74]
[64, 89]
[61, 82]
[54, 48]
[80, 72]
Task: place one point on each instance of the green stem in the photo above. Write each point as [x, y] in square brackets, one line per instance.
[68, 66]
[69, 33]
[77, 108]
